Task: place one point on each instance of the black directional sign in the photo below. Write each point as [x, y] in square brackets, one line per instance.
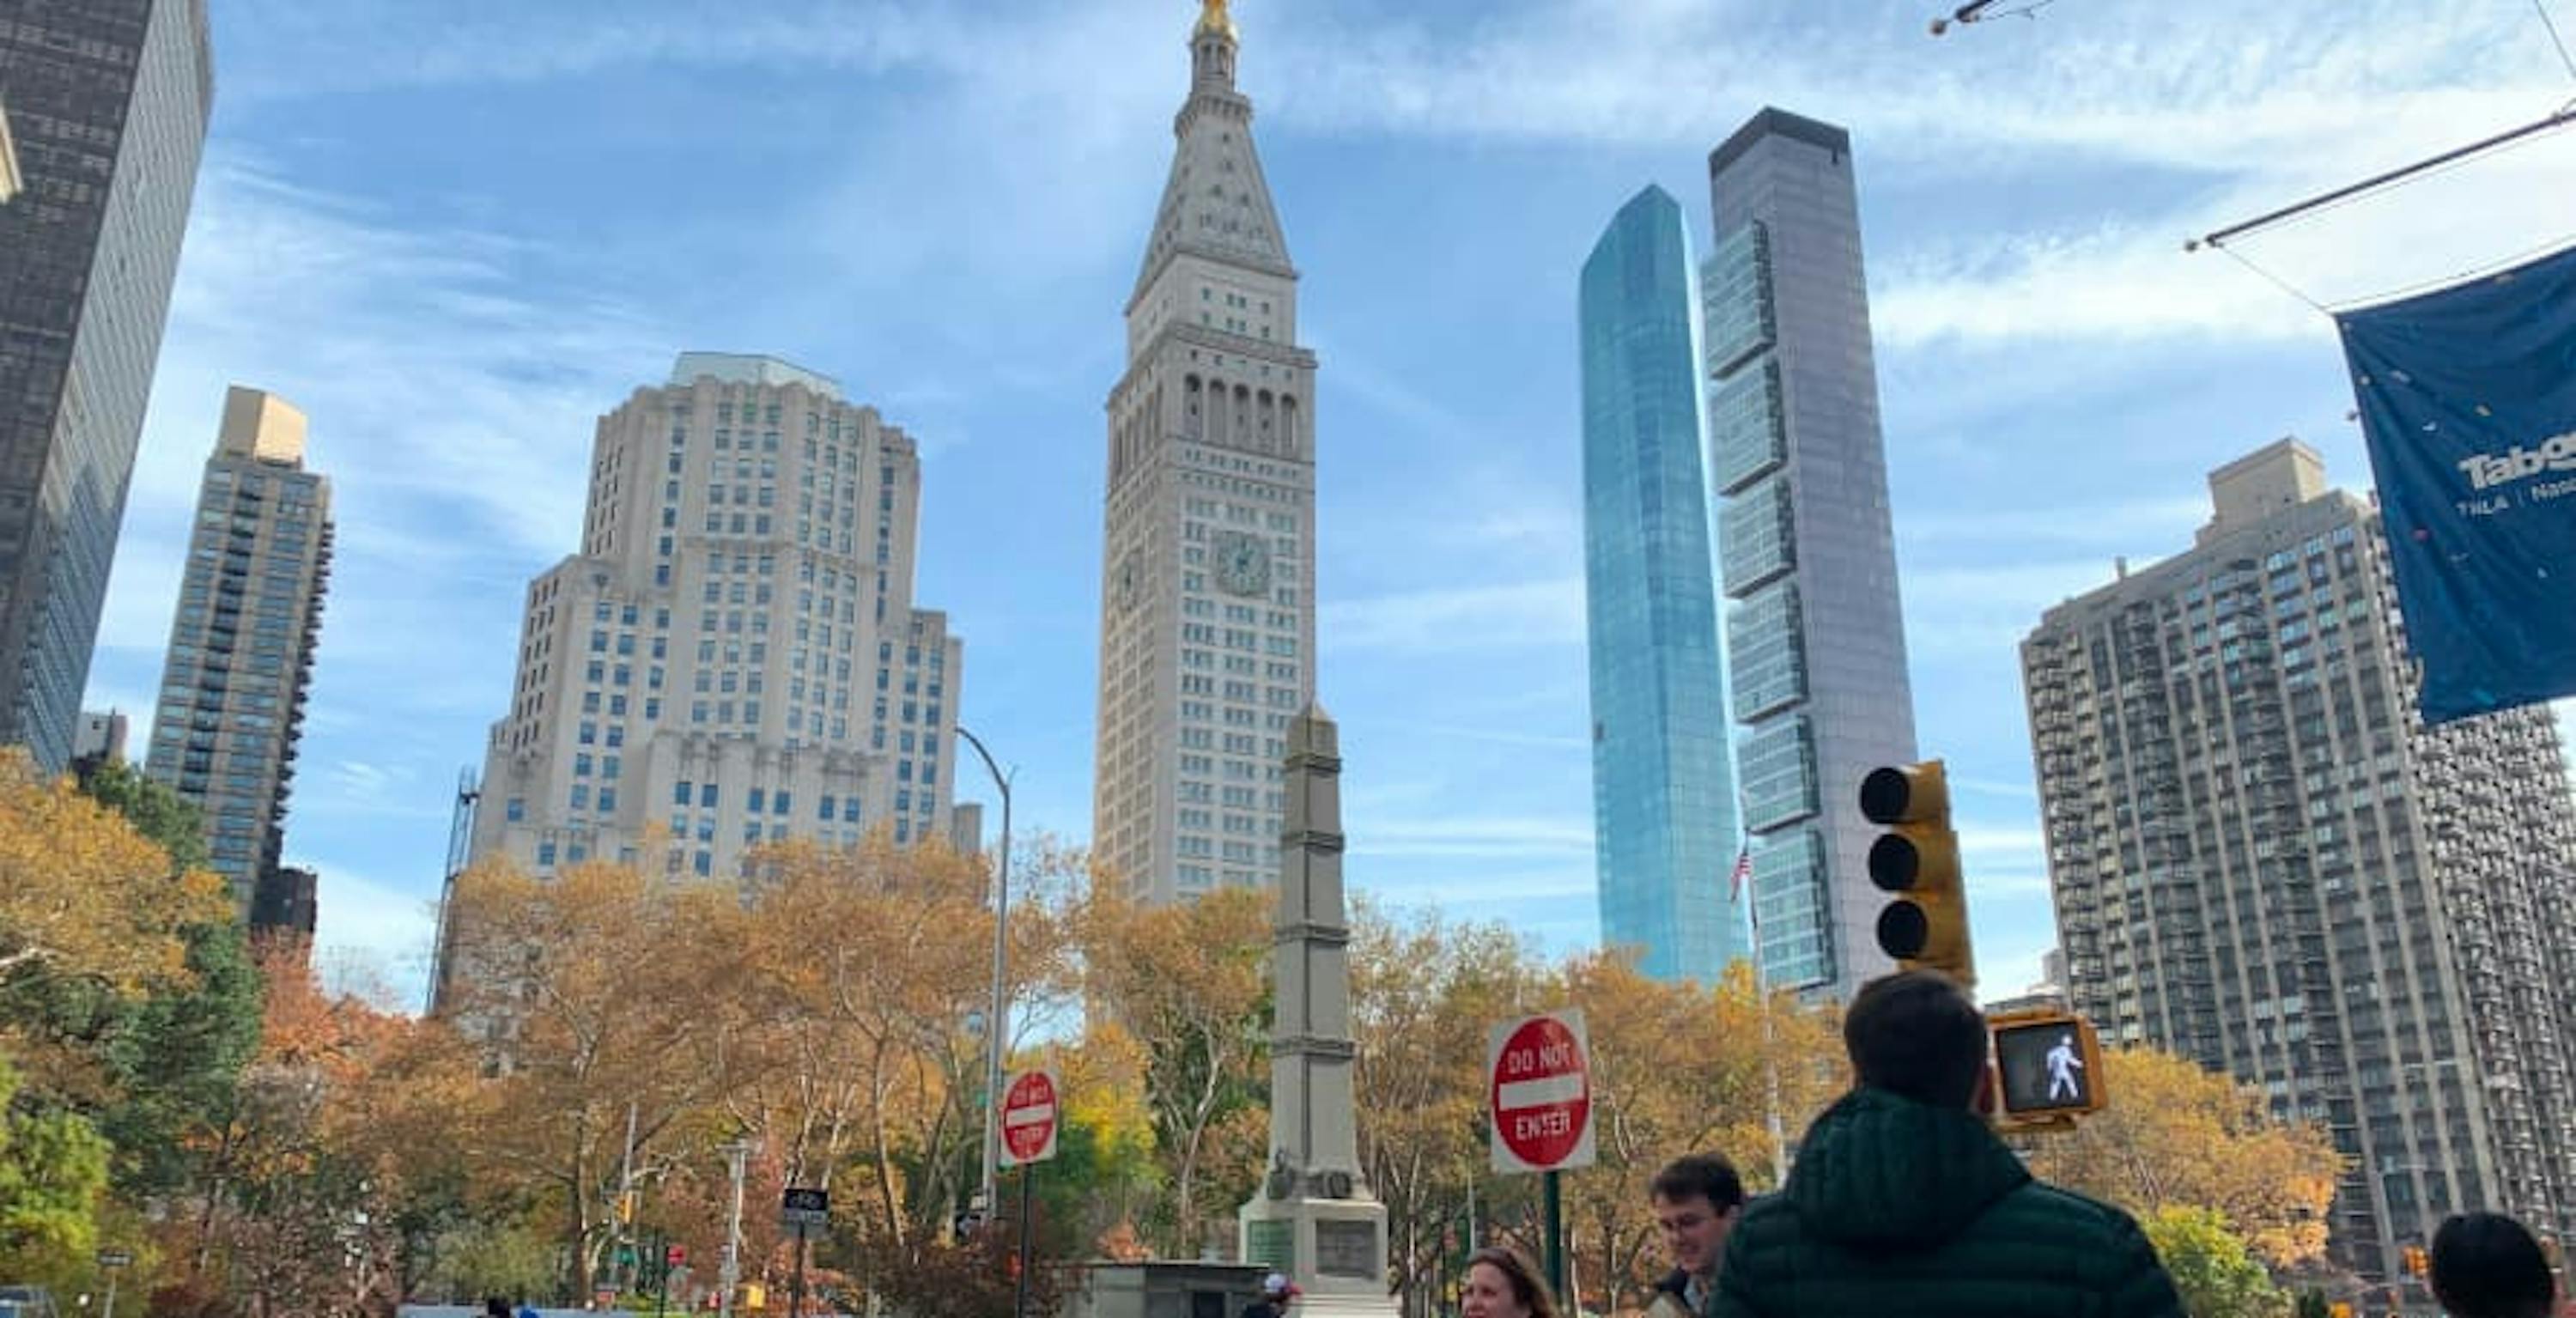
[804, 1206]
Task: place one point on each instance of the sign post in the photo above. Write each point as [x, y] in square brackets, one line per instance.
[112, 1262]
[801, 1208]
[1028, 1138]
[1539, 1092]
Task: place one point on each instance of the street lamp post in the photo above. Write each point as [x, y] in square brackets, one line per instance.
[994, 1019]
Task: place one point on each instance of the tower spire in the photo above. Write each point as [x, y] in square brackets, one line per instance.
[1214, 21]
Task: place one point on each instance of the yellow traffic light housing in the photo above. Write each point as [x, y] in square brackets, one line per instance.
[2417, 1261]
[1917, 862]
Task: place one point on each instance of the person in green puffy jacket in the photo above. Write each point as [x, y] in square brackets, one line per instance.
[1903, 1201]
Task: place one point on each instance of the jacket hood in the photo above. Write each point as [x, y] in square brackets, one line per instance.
[1880, 1170]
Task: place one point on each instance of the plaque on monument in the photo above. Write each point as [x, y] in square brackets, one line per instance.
[1271, 1243]
[1346, 1248]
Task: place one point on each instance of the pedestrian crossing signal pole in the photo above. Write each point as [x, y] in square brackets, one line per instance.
[1916, 862]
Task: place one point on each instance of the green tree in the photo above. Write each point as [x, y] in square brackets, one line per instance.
[175, 1060]
[53, 1175]
[171, 821]
[2211, 1265]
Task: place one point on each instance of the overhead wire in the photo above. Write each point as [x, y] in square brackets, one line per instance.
[2542, 6]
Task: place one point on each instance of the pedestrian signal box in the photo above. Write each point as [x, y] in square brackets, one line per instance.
[2048, 1067]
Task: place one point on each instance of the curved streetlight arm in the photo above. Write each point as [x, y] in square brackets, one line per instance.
[995, 1020]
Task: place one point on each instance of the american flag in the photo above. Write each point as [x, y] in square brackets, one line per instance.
[1743, 871]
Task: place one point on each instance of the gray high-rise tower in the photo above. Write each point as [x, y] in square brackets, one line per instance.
[242, 638]
[2263, 861]
[1816, 643]
[108, 101]
[1207, 624]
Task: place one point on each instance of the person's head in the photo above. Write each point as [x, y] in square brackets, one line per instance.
[496, 1307]
[1503, 1283]
[1696, 1201]
[2486, 1265]
[1915, 1033]
[1277, 1289]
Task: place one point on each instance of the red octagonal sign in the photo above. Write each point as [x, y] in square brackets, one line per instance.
[1029, 1119]
[1540, 1093]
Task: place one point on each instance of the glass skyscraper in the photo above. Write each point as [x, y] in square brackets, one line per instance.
[1663, 776]
[1817, 638]
[108, 101]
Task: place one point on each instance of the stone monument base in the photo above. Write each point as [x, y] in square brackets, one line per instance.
[1158, 1289]
[1334, 1249]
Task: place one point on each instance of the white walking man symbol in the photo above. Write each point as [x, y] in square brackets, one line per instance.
[2062, 1066]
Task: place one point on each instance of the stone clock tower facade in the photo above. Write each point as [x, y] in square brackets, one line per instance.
[1207, 632]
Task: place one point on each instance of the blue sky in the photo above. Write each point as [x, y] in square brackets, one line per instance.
[457, 232]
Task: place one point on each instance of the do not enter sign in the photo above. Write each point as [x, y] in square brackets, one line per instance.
[1540, 1092]
[1028, 1119]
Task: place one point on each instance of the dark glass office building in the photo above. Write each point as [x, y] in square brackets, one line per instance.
[1816, 640]
[107, 102]
[1663, 771]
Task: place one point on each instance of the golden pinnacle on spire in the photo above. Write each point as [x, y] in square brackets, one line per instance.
[1214, 20]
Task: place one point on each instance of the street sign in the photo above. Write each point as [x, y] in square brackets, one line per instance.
[676, 1255]
[1029, 1118]
[803, 1206]
[1539, 1090]
[115, 1258]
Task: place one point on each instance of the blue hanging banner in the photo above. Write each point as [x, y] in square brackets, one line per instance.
[2468, 401]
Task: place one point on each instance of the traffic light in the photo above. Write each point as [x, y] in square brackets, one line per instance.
[2417, 1263]
[1917, 861]
[2048, 1067]
[2339, 1309]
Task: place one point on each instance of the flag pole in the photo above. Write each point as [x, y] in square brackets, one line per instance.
[1762, 1000]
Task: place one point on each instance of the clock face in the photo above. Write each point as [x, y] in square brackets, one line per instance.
[1242, 563]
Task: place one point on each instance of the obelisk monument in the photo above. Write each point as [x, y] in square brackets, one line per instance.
[1314, 1218]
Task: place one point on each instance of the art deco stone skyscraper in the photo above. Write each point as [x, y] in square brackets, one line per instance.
[2263, 861]
[734, 656]
[1207, 632]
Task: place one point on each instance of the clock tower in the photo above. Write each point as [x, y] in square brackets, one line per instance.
[1207, 622]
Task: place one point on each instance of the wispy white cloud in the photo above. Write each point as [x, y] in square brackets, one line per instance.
[1466, 836]
[1464, 618]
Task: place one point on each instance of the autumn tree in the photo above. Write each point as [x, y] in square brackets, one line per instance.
[92, 915]
[1423, 993]
[168, 820]
[1681, 1068]
[2176, 1136]
[872, 975]
[596, 993]
[1190, 982]
[1105, 1173]
[341, 1158]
